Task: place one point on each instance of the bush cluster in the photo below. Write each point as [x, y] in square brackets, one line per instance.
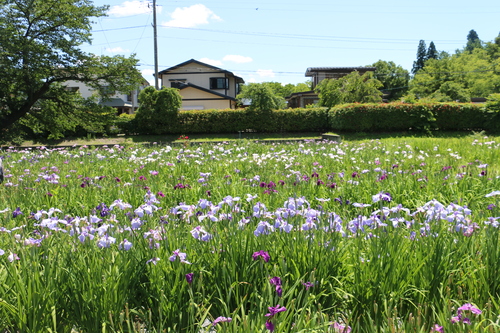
[239, 120]
[355, 117]
[418, 116]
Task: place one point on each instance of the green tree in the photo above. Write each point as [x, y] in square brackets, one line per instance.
[472, 71]
[261, 97]
[473, 41]
[451, 92]
[39, 50]
[394, 78]
[432, 53]
[493, 49]
[158, 111]
[351, 88]
[421, 57]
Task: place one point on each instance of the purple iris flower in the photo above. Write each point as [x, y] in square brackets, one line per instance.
[153, 260]
[437, 328]
[469, 307]
[178, 254]
[189, 277]
[273, 310]
[222, 320]
[340, 328]
[308, 285]
[264, 254]
[276, 281]
[270, 326]
[17, 212]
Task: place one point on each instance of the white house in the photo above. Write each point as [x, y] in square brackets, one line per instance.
[123, 103]
[202, 86]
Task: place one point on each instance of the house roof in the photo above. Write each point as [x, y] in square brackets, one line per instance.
[116, 102]
[190, 85]
[338, 70]
[302, 93]
[193, 61]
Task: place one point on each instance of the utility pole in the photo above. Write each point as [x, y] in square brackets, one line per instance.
[155, 45]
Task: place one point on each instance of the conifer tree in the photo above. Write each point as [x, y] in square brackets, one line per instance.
[473, 41]
[421, 57]
[432, 53]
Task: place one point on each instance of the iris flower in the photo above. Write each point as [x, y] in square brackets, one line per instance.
[264, 254]
[178, 254]
[276, 281]
[222, 320]
[273, 310]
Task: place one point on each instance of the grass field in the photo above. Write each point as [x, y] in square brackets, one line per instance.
[397, 234]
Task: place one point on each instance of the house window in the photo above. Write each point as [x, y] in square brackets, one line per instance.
[177, 83]
[219, 83]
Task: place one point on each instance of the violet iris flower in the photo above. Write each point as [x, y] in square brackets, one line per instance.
[308, 285]
[181, 255]
[469, 307]
[437, 328]
[189, 277]
[276, 281]
[270, 326]
[264, 254]
[273, 310]
[222, 320]
[17, 212]
[340, 328]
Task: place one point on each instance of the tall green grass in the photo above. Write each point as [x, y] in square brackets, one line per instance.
[387, 276]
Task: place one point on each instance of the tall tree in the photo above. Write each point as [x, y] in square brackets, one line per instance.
[473, 41]
[261, 97]
[471, 71]
[421, 57]
[40, 49]
[432, 53]
[393, 77]
[349, 89]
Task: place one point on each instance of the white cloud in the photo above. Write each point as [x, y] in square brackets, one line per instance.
[117, 50]
[237, 58]
[189, 17]
[212, 62]
[147, 72]
[265, 73]
[129, 8]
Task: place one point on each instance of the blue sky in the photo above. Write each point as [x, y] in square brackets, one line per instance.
[277, 40]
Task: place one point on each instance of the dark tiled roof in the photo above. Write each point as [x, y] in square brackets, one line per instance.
[310, 70]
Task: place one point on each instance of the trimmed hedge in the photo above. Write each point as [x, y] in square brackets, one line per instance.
[355, 117]
[402, 117]
[233, 121]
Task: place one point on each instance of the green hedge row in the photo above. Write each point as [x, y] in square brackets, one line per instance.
[419, 116]
[348, 117]
[233, 121]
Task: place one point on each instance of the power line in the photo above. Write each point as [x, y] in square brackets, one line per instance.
[297, 36]
[123, 28]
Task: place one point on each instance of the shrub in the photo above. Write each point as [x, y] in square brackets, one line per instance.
[158, 111]
[124, 124]
[403, 117]
[232, 121]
